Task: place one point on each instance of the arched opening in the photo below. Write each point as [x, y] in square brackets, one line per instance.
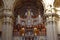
[29, 21]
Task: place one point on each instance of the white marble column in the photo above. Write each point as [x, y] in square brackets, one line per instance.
[51, 24]
[7, 25]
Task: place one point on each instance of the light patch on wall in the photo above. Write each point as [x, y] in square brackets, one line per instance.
[58, 10]
[47, 2]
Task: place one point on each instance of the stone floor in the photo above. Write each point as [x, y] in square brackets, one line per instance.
[18, 39]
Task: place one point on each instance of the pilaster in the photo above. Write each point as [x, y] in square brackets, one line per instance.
[7, 24]
[51, 25]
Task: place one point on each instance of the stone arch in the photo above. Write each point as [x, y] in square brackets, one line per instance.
[19, 4]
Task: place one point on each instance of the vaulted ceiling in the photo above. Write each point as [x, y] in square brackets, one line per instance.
[57, 3]
[22, 5]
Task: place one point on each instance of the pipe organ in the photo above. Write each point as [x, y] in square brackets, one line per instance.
[29, 27]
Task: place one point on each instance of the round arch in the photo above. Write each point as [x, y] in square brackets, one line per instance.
[38, 4]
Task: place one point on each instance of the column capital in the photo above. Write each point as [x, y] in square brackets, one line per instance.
[8, 13]
[50, 10]
[51, 17]
[7, 16]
